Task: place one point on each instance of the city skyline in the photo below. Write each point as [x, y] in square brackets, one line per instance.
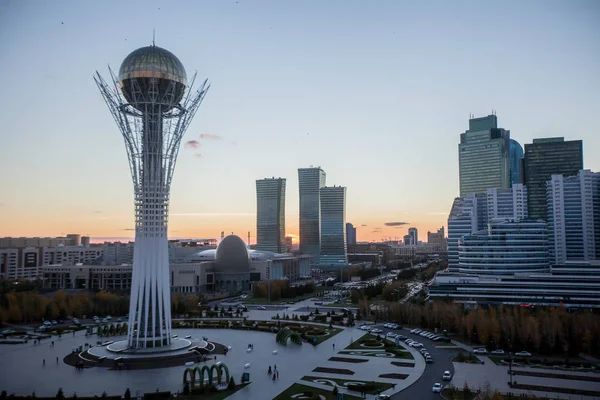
[285, 87]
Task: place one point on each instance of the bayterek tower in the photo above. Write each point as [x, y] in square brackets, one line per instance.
[152, 104]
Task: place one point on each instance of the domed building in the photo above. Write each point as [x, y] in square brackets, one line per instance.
[232, 264]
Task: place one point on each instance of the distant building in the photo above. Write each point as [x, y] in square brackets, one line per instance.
[463, 220]
[20, 242]
[310, 182]
[570, 206]
[270, 215]
[350, 234]
[505, 248]
[333, 226]
[437, 241]
[544, 158]
[483, 156]
[408, 240]
[414, 233]
[289, 244]
[85, 241]
[515, 161]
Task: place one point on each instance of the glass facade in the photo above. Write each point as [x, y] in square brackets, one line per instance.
[310, 182]
[516, 155]
[350, 233]
[483, 156]
[333, 226]
[463, 220]
[505, 248]
[544, 158]
[270, 215]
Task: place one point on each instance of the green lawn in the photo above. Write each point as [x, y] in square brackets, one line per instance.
[332, 333]
[376, 389]
[297, 388]
[399, 351]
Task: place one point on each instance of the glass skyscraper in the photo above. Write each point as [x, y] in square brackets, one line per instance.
[270, 215]
[350, 233]
[515, 159]
[333, 226]
[483, 156]
[544, 158]
[310, 182]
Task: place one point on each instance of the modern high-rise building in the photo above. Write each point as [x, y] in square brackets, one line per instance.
[483, 156]
[270, 215]
[505, 248]
[350, 234]
[515, 161]
[544, 158]
[570, 206]
[507, 203]
[463, 220]
[414, 233]
[333, 226]
[436, 237]
[310, 182]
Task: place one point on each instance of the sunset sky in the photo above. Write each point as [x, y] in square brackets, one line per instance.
[376, 93]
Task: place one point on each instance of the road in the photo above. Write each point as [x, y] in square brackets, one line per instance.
[442, 358]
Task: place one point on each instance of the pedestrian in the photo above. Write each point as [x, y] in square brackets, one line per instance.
[274, 376]
[44, 361]
[334, 347]
[270, 371]
[275, 367]
[56, 360]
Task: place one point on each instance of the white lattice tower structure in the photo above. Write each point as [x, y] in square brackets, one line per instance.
[152, 106]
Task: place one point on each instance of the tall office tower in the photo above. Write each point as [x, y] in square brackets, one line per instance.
[505, 248]
[350, 234]
[483, 156]
[270, 215]
[515, 159]
[333, 226]
[570, 206]
[436, 237]
[596, 196]
[467, 216]
[544, 158]
[414, 234]
[507, 203]
[310, 182]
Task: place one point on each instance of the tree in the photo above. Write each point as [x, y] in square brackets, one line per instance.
[127, 395]
[231, 384]
[60, 395]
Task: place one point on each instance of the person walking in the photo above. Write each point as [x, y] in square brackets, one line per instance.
[56, 360]
[334, 347]
[270, 371]
[44, 361]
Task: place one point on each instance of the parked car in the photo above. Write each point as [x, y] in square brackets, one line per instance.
[400, 337]
[396, 326]
[391, 335]
[429, 360]
[423, 351]
[498, 352]
[387, 325]
[416, 344]
[437, 388]
[415, 331]
[365, 328]
[54, 322]
[261, 308]
[409, 341]
[480, 351]
[104, 321]
[447, 376]
[43, 328]
[523, 354]
[108, 317]
[47, 323]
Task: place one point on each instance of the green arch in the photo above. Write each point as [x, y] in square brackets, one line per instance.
[189, 375]
[284, 334]
[222, 367]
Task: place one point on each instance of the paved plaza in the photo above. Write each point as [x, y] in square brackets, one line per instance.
[28, 373]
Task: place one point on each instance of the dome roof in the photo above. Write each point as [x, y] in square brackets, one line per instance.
[152, 62]
[232, 256]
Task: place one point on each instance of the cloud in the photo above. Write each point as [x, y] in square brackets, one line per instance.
[192, 144]
[395, 223]
[364, 225]
[96, 212]
[199, 155]
[129, 229]
[375, 231]
[210, 136]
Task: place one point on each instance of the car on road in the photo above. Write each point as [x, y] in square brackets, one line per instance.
[243, 296]
[415, 331]
[409, 341]
[416, 344]
[104, 321]
[366, 328]
[423, 351]
[498, 352]
[437, 388]
[261, 308]
[108, 317]
[447, 376]
[401, 337]
[76, 321]
[480, 351]
[376, 330]
[387, 325]
[47, 323]
[523, 354]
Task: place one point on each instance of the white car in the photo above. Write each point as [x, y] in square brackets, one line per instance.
[480, 351]
[391, 335]
[415, 331]
[376, 330]
[437, 388]
[498, 352]
[261, 308]
[104, 321]
[365, 328]
[447, 376]
[108, 317]
[523, 354]
[387, 325]
[416, 344]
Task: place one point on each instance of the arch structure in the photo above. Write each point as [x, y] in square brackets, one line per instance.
[204, 372]
[284, 334]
